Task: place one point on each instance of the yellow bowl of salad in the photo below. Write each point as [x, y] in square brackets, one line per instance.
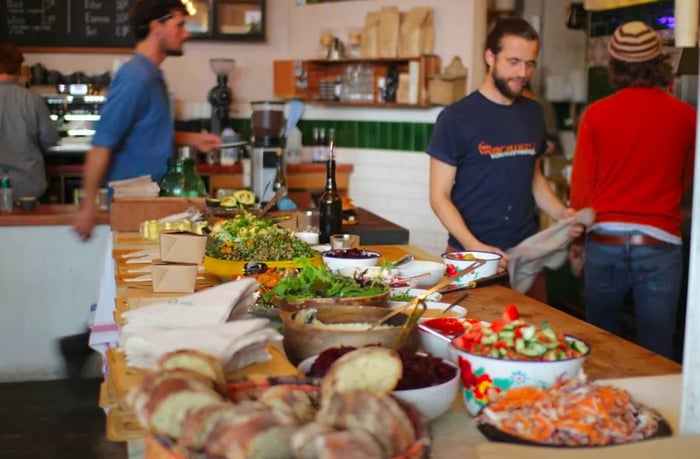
[246, 238]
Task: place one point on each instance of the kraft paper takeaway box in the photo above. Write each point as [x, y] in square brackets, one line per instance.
[182, 247]
[173, 278]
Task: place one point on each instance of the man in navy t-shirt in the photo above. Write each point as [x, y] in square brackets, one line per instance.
[136, 132]
[485, 175]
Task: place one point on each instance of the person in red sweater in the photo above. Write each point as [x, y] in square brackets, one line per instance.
[633, 162]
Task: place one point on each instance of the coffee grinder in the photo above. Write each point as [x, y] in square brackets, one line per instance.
[268, 147]
[220, 96]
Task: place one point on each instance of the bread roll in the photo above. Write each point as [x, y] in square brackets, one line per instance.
[138, 397]
[263, 435]
[294, 402]
[375, 369]
[170, 403]
[196, 361]
[199, 424]
[304, 439]
[378, 414]
[348, 444]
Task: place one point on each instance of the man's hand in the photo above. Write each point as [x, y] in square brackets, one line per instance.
[205, 142]
[576, 229]
[84, 221]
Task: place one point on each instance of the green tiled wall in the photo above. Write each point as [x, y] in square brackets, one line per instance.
[382, 135]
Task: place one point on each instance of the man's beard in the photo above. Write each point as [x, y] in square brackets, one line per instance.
[174, 52]
[502, 86]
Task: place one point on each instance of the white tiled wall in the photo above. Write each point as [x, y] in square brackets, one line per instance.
[394, 185]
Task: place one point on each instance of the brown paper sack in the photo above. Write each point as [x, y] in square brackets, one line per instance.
[417, 34]
[389, 25]
[370, 35]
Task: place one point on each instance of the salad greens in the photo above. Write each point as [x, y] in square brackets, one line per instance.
[319, 282]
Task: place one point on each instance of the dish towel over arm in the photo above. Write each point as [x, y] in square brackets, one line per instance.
[546, 249]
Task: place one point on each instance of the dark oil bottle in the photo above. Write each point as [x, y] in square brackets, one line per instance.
[330, 205]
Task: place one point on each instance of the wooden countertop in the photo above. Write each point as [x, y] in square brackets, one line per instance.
[610, 357]
[46, 215]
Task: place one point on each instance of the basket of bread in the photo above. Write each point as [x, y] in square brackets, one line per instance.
[191, 412]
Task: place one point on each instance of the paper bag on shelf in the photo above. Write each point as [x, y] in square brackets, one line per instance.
[182, 247]
[174, 278]
[417, 35]
[388, 36]
[370, 35]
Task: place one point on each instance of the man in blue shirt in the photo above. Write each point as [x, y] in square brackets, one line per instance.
[136, 134]
[485, 174]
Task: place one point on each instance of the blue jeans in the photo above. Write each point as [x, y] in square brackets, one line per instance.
[653, 274]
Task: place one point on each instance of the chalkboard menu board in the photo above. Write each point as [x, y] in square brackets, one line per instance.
[66, 23]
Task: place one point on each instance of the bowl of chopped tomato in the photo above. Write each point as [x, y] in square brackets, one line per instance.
[495, 356]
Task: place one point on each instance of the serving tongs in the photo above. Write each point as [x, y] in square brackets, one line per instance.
[413, 303]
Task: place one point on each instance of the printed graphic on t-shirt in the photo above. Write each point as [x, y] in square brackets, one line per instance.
[502, 151]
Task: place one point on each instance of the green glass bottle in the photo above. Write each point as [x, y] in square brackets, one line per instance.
[173, 184]
[194, 185]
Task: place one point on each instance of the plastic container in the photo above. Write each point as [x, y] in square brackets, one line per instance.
[292, 152]
[228, 156]
[268, 119]
[6, 193]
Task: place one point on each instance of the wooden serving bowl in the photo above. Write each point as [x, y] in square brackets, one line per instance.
[305, 340]
[380, 300]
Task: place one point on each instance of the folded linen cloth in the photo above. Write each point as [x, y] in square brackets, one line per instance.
[235, 344]
[548, 248]
[212, 306]
[142, 186]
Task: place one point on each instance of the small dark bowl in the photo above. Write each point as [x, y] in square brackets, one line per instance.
[27, 203]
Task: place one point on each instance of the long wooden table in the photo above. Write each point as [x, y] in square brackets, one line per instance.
[454, 434]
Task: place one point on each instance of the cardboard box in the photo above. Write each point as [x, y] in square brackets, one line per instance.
[182, 247]
[126, 214]
[173, 278]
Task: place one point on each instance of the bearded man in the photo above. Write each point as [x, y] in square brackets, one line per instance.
[485, 175]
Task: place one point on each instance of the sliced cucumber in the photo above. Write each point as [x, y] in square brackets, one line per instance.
[528, 332]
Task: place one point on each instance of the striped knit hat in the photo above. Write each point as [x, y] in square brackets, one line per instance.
[634, 42]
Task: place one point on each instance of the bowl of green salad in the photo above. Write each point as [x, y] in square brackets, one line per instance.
[314, 286]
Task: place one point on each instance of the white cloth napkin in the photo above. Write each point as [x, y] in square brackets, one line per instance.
[212, 306]
[142, 186]
[548, 248]
[235, 344]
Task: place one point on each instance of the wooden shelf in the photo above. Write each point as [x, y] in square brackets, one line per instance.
[301, 79]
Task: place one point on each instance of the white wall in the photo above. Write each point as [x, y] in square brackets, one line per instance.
[46, 294]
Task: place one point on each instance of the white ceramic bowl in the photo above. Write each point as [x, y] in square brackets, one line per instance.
[435, 343]
[488, 269]
[432, 401]
[434, 269]
[336, 263]
[370, 271]
[481, 375]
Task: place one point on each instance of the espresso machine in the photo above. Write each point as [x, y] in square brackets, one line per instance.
[267, 153]
[220, 96]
